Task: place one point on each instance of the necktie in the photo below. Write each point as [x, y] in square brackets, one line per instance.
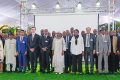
[103, 37]
[32, 37]
[67, 40]
[21, 38]
[88, 40]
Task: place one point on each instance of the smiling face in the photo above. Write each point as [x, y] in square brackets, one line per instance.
[46, 32]
[22, 33]
[33, 29]
[76, 32]
[88, 30]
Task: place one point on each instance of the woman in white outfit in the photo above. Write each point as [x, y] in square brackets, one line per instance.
[58, 48]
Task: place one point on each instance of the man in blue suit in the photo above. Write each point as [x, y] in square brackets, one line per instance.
[21, 47]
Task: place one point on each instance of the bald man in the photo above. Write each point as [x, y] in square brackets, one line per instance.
[45, 46]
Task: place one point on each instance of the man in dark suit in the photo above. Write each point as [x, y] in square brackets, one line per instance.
[95, 55]
[89, 42]
[45, 46]
[33, 45]
[40, 56]
[67, 54]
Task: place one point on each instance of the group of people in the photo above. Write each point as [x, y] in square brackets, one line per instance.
[65, 52]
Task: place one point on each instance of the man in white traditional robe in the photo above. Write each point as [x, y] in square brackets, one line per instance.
[10, 53]
[58, 48]
[1, 55]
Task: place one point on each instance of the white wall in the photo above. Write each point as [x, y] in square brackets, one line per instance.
[61, 22]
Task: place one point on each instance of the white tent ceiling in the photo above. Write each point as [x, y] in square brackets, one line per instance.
[10, 9]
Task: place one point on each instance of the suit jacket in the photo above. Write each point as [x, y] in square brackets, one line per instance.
[34, 43]
[69, 42]
[45, 43]
[118, 41]
[103, 45]
[113, 44]
[92, 41]
[21, 46]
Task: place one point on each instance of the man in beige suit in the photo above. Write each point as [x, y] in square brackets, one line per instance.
[103, 49]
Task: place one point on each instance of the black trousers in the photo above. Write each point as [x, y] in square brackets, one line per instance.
[45, 61]
[96, 61]
[28, 60]
[67, 60]
[38, 58]
[51, 58]
[33, 61]
[77, 63]
[111, 62]
[116, 63]
[40, 61]
[17, 64]
[4, 64]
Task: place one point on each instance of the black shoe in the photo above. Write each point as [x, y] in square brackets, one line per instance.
[80, 73]
[66, 72]
[52, 70]
[24, 71]
[48, 72]
[20, 71]
[91, 72]
[32, 72]
[87, 72]
[42, 71]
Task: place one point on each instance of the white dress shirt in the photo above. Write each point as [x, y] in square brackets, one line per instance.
[77, 49]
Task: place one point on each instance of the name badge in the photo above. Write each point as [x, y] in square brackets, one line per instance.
[105, 41]
[91, 39]
[23, 42]
[46, 41]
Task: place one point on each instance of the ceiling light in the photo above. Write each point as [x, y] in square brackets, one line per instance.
[57, 5]
[79, 6]
[34, 6]
[98, 4]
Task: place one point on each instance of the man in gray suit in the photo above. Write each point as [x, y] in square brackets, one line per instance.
[89, 42]
[103, 49]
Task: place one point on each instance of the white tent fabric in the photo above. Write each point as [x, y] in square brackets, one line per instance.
[10, 9]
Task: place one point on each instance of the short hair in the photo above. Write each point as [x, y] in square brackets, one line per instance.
[88, 28]
[9, 34]
[21, 30]
[76, 30]
[33, 27]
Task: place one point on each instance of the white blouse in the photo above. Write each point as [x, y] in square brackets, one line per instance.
[77, 49]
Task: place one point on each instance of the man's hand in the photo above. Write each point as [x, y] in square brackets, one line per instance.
[83, 53]
[62, 53]
[44, 49]
[25, 53]
[98, 53]
[94, 52]
[32, 49]
[52, 52]
[118, 52]
[16, 54]
[108, 53]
